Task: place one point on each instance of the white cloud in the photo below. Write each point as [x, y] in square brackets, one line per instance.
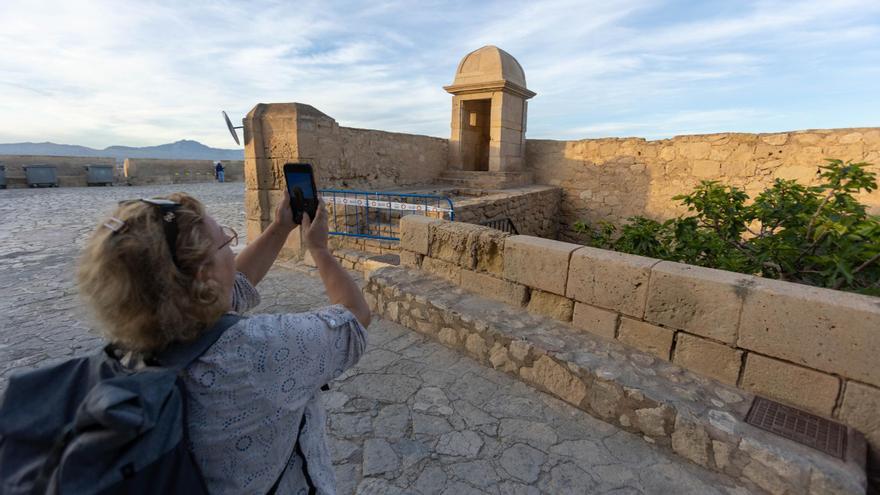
[101, 72]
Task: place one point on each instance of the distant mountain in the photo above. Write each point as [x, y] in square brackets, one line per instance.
[181, 150]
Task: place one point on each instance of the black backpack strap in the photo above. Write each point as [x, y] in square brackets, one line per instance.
[180, 355]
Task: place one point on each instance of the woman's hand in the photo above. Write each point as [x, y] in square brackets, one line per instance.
[284, 214]
[314, 233]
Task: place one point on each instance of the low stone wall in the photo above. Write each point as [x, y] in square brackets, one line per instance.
[615, 178]
[533, 210]
[144, 171]
[71, 170]
[813, 348]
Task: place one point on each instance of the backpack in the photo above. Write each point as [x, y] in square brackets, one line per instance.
[91, 425]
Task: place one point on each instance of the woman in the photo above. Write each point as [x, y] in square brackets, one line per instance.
[162, 271]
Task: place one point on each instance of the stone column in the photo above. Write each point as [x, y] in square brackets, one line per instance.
[275, 134]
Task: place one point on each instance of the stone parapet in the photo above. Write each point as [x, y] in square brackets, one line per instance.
[809, 347]
[144, 171]
[534, 210]
[695, 417]
[611, 179]
[70, 170]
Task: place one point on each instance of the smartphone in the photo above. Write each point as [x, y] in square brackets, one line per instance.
[303, 193]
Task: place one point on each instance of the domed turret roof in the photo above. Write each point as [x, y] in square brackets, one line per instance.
[489, 64]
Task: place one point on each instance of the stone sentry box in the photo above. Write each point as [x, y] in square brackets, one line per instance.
[488, 112]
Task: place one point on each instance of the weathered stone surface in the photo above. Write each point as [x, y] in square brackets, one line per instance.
[700, 300]
[443, 269]
[608, 279]
[708, 358]
[454, 242]
[861, 409]
[595, 320]
[551, 305]
[722, 452]
[534, 433]
[460, 443]
[691, 441]
[489, 246]
[605, 398]
[538, 263]
[341, 450]
[556, 379]
[823, 329]
[771, 468]
[569, 479]
[392, 421]
[376, 486]
[476, 346]
[500, 359]
[410, 259]
[802, 387]
[379, 457]
[647, 337]
[394, 388]
[494, 288]
[431, 400]
[520, 349]
[350, 425]
[449, 336]
[479, 473]
[654, 421]
[522, 462]
[425, 424]
[415, 233]
[431, 481]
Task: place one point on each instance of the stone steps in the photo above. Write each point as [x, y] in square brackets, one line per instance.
[696, 417]
[486, 180]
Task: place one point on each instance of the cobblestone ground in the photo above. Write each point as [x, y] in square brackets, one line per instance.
[412, 417]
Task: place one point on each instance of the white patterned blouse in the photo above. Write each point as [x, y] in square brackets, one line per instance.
[249, 393]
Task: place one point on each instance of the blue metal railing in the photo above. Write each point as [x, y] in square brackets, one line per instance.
[376, 215]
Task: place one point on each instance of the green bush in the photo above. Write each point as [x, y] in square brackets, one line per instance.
[819, 235]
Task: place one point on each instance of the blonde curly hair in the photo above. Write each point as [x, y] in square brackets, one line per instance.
[143, 300]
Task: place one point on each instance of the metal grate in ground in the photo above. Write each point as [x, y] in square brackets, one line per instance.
[802, 427]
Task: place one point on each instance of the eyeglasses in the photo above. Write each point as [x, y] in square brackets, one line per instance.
[232, 237]
[167, 209]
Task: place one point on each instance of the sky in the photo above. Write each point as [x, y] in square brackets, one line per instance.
[138, 73]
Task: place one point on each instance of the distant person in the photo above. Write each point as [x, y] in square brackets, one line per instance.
[162, 272]
[218, 171]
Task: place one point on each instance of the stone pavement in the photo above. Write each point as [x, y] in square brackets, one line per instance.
[412, 417]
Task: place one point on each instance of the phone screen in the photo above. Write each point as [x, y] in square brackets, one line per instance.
[301, 181]
[301, 187]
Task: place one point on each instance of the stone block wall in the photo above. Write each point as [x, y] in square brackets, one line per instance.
[615, 178]
[143, 171]
[71, 170]
[813, 348]
[533, 210]
[343, 158]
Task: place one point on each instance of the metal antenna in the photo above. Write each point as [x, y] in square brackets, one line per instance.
[232, 128]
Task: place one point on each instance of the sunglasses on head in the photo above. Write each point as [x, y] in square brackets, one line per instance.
[167, 210]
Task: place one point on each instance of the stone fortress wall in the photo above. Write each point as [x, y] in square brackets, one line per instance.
[143, 171]
[615, 178]
[532, 209]
[70, 170]
[810, 347]
[342, 158]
